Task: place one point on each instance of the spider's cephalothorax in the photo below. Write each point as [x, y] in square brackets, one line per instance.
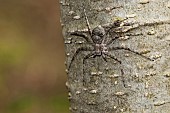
[100, 44]
[98, 34]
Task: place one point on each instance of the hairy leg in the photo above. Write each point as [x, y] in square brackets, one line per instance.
[84, 59]
[112, 57]
[122, 72]
[87, 22]
[128, 49]
[111, 41]
[123, 79]
[104, 57]
[76, 53]
[136, 25]
[80, 34]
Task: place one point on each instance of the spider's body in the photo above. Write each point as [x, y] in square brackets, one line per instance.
[100, 43]
[98, 35]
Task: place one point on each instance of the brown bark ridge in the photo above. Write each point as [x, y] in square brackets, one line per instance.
[136, 85]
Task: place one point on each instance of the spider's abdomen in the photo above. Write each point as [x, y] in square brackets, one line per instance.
[101, 48]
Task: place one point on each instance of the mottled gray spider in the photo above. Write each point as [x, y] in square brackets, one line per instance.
[98, 40]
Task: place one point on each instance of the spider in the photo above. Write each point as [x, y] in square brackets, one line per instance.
[100, 47]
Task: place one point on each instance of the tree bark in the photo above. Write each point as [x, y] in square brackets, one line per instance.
[137, 85]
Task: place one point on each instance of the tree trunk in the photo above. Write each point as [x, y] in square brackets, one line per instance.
[139, 83]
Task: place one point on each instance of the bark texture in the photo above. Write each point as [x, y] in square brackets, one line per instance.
[100, 88]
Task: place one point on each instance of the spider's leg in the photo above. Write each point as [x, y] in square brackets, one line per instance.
[85, 58]
[135, 25]
[122, 76]
[79, 34]
[111, 41]
[87, 22]
[104, 57]
[76, 53]
[128, 49]
[111, 26]
[112, 57]
[122, 73]
[122, 35]
[116, 24]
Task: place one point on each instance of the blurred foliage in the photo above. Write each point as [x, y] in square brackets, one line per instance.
[32, 77]
[28, 104]
[21, 104]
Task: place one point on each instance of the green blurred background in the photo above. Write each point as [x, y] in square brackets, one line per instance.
[32, 77]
